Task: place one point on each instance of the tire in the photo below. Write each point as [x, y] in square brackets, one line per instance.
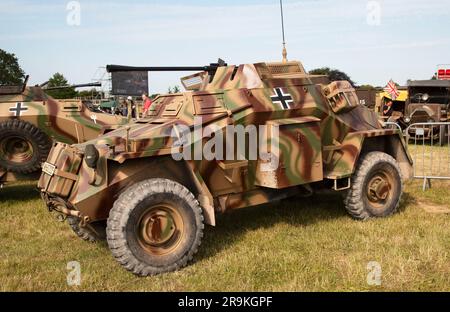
[376, 187]
[23, 147]
[155, 226]
[93, 232]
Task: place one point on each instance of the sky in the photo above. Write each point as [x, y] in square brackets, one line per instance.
[372, 41]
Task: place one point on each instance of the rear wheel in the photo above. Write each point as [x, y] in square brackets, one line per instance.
[155, 226]
[376, 187]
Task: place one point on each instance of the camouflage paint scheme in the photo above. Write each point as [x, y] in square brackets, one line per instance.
[67, 121]
[322, 135]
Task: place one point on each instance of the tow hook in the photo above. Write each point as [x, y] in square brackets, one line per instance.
[65, 212]
[84, 220]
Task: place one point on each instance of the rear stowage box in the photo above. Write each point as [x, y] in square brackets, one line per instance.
[60, 170]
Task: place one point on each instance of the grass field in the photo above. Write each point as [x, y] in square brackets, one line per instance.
[303, 245]
[431, 160]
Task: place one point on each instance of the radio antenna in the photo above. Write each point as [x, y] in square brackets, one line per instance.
[282, 29]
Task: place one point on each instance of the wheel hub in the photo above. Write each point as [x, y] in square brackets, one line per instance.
[157, 228]
[160, 229]
[16, 149]
[378, 189]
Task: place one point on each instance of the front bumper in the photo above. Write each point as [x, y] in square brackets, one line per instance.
[424, 132]
[68, 185]
[58, 177]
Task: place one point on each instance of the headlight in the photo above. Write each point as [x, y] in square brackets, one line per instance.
[407, 120]
[425, 97]
[91, 156]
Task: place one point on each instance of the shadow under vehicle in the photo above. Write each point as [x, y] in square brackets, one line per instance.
[155, 194]
[30, 120]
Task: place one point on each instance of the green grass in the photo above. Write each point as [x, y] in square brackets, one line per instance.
[296, 245]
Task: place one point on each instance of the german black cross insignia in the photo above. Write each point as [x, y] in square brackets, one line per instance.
[18, 109]
[285, 100]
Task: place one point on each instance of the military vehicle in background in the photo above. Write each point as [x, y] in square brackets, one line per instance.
[429, 101]
[367, 96]
[395, 112]
[156, 203]
[30, 120]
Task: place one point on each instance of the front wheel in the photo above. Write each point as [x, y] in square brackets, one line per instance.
[155, 226]
[376, 187]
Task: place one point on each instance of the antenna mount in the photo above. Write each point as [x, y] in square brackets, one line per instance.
[282, 30]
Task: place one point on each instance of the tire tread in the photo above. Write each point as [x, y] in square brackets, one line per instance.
[352, 202]
[123, 207]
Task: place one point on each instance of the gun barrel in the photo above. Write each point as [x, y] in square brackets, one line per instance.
[92, 84]
[210, 68]
[83, 85]
[121, 68]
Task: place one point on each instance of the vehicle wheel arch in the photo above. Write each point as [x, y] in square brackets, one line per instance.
[183, 172]
[394, 146]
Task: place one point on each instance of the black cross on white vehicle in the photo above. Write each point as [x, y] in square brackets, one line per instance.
[18, 109]
[285, 100]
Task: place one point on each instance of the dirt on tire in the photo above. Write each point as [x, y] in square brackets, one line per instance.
[123, 226]
[356, 201]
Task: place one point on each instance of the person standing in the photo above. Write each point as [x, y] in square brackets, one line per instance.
[124, 109]
[147, 104]
[387, 108]
[131, 108]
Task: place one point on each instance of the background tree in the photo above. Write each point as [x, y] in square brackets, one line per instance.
[174, 89]
[367, 87]
[10, 71]
[94, 93]
[333, 74]
[58, 80]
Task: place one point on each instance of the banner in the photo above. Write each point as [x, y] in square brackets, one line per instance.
[129, 83]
